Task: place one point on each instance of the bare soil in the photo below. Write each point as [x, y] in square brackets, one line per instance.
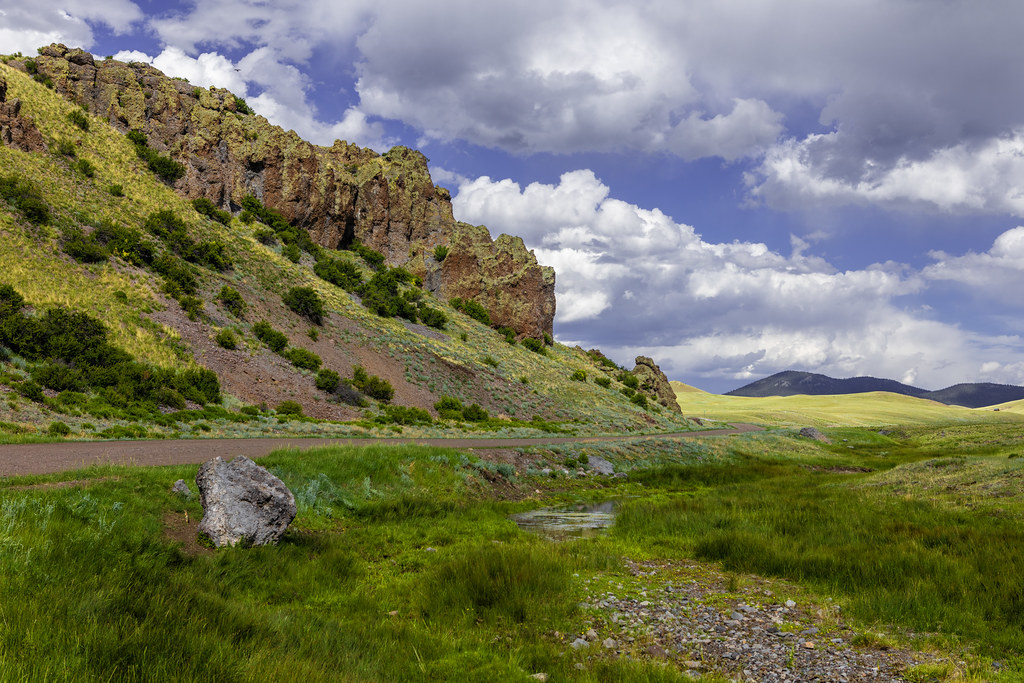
[46, 458]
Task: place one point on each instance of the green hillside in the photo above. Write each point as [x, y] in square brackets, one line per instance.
[121, 246]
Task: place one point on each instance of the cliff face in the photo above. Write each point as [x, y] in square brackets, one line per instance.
[654, 382]
[339, 193]
[17, 131]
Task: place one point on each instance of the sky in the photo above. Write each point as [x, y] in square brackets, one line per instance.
[734, 188]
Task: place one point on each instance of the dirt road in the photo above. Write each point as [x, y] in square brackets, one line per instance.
[44, 458]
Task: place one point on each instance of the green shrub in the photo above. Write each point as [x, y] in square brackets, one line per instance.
[474, 413]
[338, 272]
[289, 408]
[26, 198]
[83, 248]
[164, 167]
[292, 252]
[489, 360]
[85, 167]
[306, 302]
[269, 336]
[207, 208]
[212, 254]
[628, 392]
[404, 415]
[371, 385]
[78, 118]
[440, 253]
[192, 305]
[628, 379]
[232, 301]
[263, 235]
[125, 243]
[241, 107]
[472, 308]
[602, 382]
[58, 429]
[303, 358]
[639, 399]
[449, 408]
[166, 396]
[578, 376]
[433, 317]
[548, 341]
[508, 333]
[535, 345]
[116, 190]
[381, 294]
[226, 339]
[287, 233]
[327, 380]
[67, 148]
[373, 258]
[176, 273]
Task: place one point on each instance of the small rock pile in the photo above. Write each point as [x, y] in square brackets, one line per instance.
[764, 640]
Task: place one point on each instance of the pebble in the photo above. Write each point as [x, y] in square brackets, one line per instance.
[767, 643]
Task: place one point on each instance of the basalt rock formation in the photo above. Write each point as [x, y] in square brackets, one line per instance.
[654, 382]
[339, 194]
[17, 131]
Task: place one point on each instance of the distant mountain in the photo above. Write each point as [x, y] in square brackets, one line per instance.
[792, 382]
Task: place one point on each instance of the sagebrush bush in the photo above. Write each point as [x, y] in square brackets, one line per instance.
[339, 273]
[535, 345]
[628, 379]
[303, 358]
[78, 118]
[603, 382]
[207, 208]
[449, 408]
[289, 408]
[472, 308]
[578, 376]
[433, 317]
[327, 380]
[372, 385]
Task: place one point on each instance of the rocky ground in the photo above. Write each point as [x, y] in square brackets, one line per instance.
[743, 628]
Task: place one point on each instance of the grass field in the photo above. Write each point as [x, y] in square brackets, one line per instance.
[402, 563]
[870, 409]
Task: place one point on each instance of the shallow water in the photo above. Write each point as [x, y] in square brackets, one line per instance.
[567, 523]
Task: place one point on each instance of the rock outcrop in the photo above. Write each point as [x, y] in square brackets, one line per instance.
[812, 433]
[654, 383]
[17, 131]
[243, 503]
[339, 193]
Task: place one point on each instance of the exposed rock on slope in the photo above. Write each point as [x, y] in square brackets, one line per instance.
[654, 382]
[17, 131]
[339, 193]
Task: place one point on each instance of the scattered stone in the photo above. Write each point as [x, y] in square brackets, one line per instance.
[609, 644]
[579, 643]
[542, 677]
[243, 502]
[812, 433]
[601, 466]
[591, 635]
[808, 645]
[181, 488]
[790, 603]
[656, 652]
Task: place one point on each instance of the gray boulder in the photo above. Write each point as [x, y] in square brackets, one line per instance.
[243, 502]
[812, 433]
[600, 465]
[181, 488]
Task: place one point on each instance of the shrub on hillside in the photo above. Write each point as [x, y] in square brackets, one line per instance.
[303, 358]
[578, 376]
[269, 336]
[207, 208]
[83, 248]
[306, 302]
[372, 385]
[327, 380]
[166, 168]
[289, 408]
[440, 253]
[628, 379]
[25, 196]
[339, 273]
[603, 382]
[473, 309]
[231, 300]
[535, 345]
[226, 339]
[449, 408]
[474, 413]
[433, 317]
[78, 118]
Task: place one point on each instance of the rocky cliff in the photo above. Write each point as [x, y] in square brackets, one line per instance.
[339, 193]
[17, 131]
[654, 382]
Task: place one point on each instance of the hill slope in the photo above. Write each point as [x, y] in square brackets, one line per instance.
[174, 281]
[792, 383]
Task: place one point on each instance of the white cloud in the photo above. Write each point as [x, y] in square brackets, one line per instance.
[977, 178]
[731, 311]
[997, 274]
[27, 26]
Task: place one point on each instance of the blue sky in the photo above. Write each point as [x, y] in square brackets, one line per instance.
[733, 188]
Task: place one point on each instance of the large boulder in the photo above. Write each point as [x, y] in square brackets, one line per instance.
[654, 383]
[243, 502]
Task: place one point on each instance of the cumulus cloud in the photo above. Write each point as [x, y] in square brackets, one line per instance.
[996, 274]
[283, 97]
[735, 310]
[27, 26]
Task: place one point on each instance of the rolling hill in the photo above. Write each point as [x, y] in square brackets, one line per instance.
[793, 383]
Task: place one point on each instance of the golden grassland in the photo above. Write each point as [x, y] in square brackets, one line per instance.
[877, 408]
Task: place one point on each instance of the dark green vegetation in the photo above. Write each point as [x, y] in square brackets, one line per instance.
[403, 565]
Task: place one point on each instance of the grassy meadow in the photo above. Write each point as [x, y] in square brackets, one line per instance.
[865, 410]
[402, 563]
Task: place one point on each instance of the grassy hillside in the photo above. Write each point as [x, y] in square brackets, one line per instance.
[870, 409]
[92, 179]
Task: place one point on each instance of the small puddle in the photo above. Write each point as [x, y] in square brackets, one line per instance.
[568, 523]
